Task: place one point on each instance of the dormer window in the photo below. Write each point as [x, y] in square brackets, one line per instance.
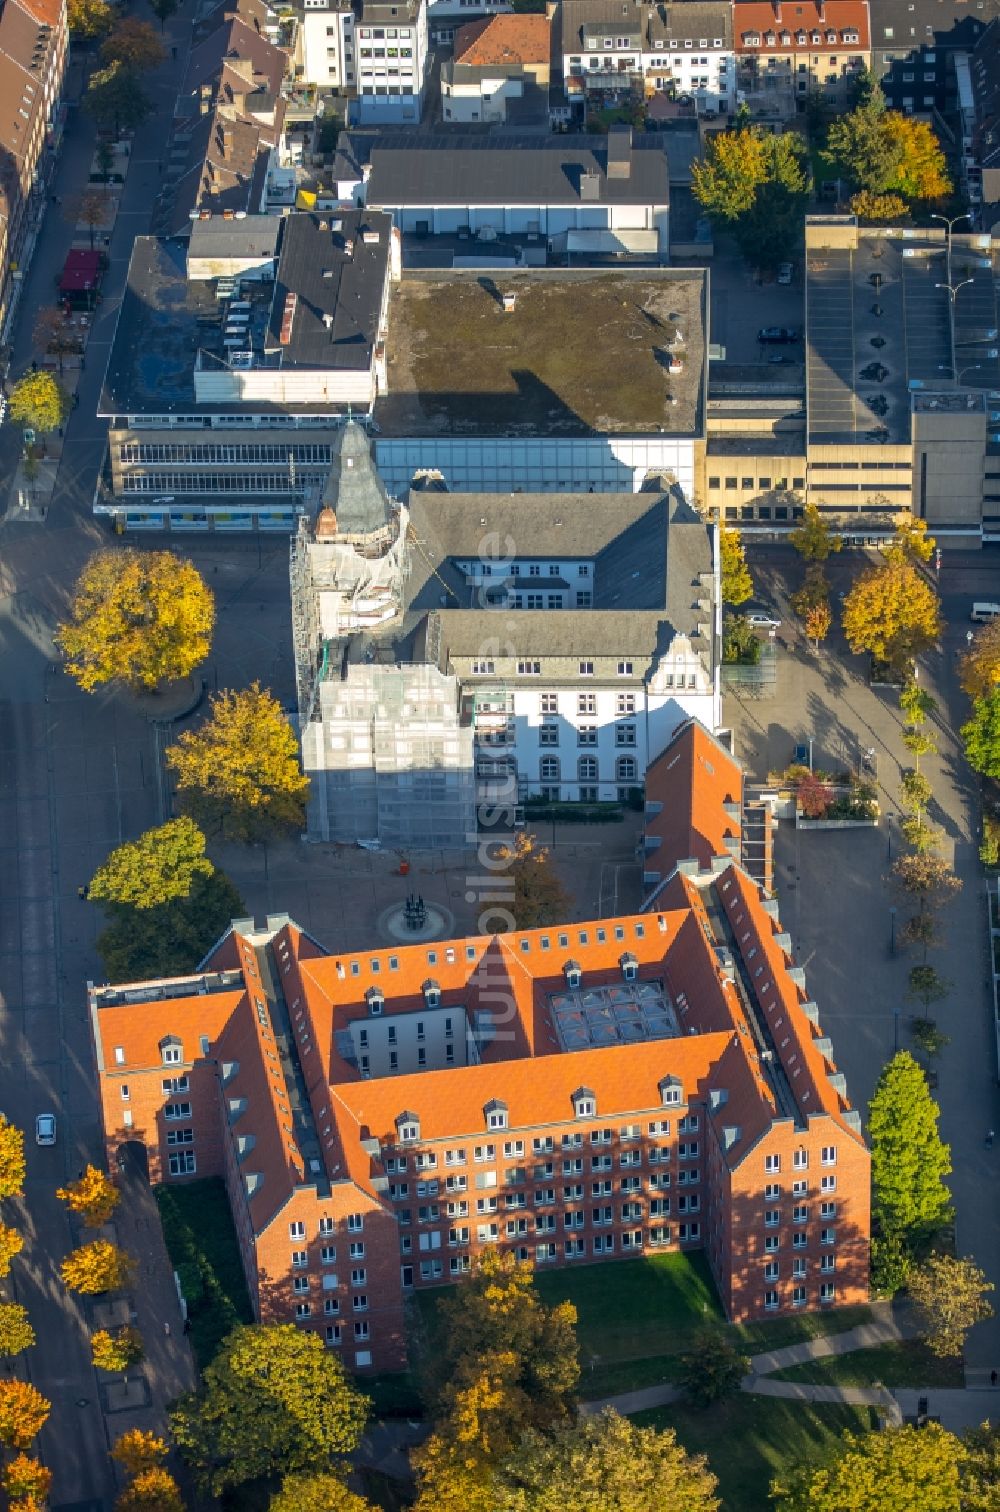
[751, 39]
[407, 1128]
[800, 38]
[769, 39]
[432, 993]
[630, 967]
[584, 1103]
[831, 38]
[375, 998]
[671, 1092]
[496, 1114]
[172, 1050]
[573, 973]
[817, 38]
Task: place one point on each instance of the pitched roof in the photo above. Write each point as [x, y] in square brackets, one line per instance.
[699, 787]
[788, 23]
[505, 40]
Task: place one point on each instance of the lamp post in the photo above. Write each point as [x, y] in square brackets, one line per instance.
[950, 223]
[975, 367]
[952, 295]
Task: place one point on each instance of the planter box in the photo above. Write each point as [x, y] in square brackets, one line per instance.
[833, 824]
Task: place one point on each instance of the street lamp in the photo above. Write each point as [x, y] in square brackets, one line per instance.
[953, 295]
[975, 367]
[951, 223]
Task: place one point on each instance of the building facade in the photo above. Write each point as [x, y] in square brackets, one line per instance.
[792, 51]
[392, 56]
[498, 65]
[576, 1094]
[685, 50]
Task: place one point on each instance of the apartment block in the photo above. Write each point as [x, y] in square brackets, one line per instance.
[445, 669]
[577, 1094]
[392, 57]
[785, 52]
[916, 45]
[499, 70]
[685, 49]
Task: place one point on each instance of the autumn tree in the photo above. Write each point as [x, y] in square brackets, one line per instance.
[911, 540]
[160, 867]
[927, 879]
[97, 1267]
[816, 622]
[949, 1297]
[152, 1490]
[495, 1312]
[892, 613]
[921, 172]
[141, 618]
[980, 1470]
[115, 99]
[26, 1481]
[88, 208]
[16, 1333]
[116, 1349]
[712, 1369]
[38, 403]
[814, 538]
[525, 875]
[881, 208]
[915, 793]
[606, 1464]
[906, 1469]
[737, 584]
[910, 1202]
[240, 772]
[980, 666]
[754, 184]
[811, 602]
[52, 333]
[93, 1197]
[137, 1449]
[89, 19]
[23, 1413]
[812, 795]
[11, 1245]
[916, 706]
[12, 1162]
[273, 1400]
[133, 44]
[981, 735]
[887, 153]
[309, 1493]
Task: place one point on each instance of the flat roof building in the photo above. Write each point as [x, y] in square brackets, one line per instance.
[578, 1093]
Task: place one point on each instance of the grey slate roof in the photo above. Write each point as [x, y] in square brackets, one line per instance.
[353, 488]
[690, 19]
[327, 264]
[413, 169]
[251, 236]
[914, 24]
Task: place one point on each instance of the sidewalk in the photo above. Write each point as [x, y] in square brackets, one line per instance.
[885, 1328]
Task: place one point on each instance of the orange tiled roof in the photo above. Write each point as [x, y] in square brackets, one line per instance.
[788, 23]
[694, 779]
[503, 40]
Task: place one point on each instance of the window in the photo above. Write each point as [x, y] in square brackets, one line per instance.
[300, 1259]
[355, 1223]
[772, 1164]
[827, 1291]
[586, 669]
[772, 1192]
[625, 769]
[828, 1155]
[772, 1217]
[182, 1163]
[549, 703]
[798, 1296]
[586, 703]
[178, 1136]
[586, 735]
[549, 768]
[800, 1214]
[119, 1055]
[177, 1110]
[625, 703]
[529, 669]
[587, 768]
[770, 1300]
[800, 1160]
[771, 1270]
[828, 1210]
[828, 1183]
[303, 1309]
[625, 734]
[172, 1052]
[624, 669]
[124, 1092]
[772, 1242]
[172, 1084]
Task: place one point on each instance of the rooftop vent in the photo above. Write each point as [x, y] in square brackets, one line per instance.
[590, 185]
[287, 318]
[509, 304]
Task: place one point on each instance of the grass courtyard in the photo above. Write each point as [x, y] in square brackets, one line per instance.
[909, 1363]
[201, 1242]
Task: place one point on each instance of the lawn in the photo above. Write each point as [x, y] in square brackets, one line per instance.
[748, 1440]
[906, 1364]
[201, 1242]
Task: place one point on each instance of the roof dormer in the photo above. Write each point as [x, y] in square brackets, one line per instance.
[375, 998]
[573, 972]
[671, 1091]
[495, 1113]
[407, 1127]
[432, 993]
[584, 1101]
[629, 965]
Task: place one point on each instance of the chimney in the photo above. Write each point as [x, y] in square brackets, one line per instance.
[777, 10]
[620, 152]
[821, 10]
[227, 139]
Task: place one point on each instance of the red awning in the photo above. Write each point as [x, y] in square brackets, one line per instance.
[81, 271]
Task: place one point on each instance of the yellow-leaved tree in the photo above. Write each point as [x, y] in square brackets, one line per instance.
[981, 665]
[138, 1449]
[152, 1490]
[23, 1412]
[16, 1333]
[142, 618]
[93, 1197]
[12, 1162]
[97, 1267]
[892, 613]
[11, 1244]
[117, 1349]
[26, 1481]
[240, 774]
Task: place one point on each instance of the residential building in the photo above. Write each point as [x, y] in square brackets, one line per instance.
[446, 17]
[915, 44]
[392, 57]
[897, 405]
[34, 44]
[543, 192]
[787, 52]
[981, 144]
[325, 45]
[574, 1094]
[684, 49]
[500, 66]
[442, 664]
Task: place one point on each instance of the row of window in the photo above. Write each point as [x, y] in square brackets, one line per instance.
[587, 769]
[602, 933]
[800, 1159]
[543, 1144]
[221, 482]
[800, 1296]
[326, 1226]
[587, 735]
[224, 452]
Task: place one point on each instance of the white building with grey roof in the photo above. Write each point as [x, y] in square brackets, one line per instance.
[462, 650]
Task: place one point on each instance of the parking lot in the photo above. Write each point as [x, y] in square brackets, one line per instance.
[741, 306]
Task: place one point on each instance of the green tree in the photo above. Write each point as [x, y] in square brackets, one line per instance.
[902, 1469]
[38, 403]
[755, 185]
[497, 1312]
[273, 1401]
[737, 583]
[605, 1464]
[141, 618]
[926, 986]
[536, 893]
[89, 18]
[949, 1297]
[893, 614]
[171, 939]
[814, 538]
[118, 1349]
[981, 735]
[910, 1202]
[115, 99]
[915, 792]
[886, 153]
[16, 1333]
[133, 44]
[712, 1369]
[160, 867]
[240, 772]
[310, 1493]
[740, 641]
[163, 10]
[104, 157]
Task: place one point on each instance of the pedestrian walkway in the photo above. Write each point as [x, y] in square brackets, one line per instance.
[888, 1326]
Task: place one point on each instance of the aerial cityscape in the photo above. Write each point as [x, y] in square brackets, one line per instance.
[500, 729]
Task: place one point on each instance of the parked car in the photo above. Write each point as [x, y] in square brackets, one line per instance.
[785, 273]
[777, 334]
[776, 360]
[762, 621]
[45, 1129]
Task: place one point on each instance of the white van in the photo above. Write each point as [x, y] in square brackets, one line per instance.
[983, 613]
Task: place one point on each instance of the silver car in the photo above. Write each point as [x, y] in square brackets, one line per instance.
[45, 1129]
